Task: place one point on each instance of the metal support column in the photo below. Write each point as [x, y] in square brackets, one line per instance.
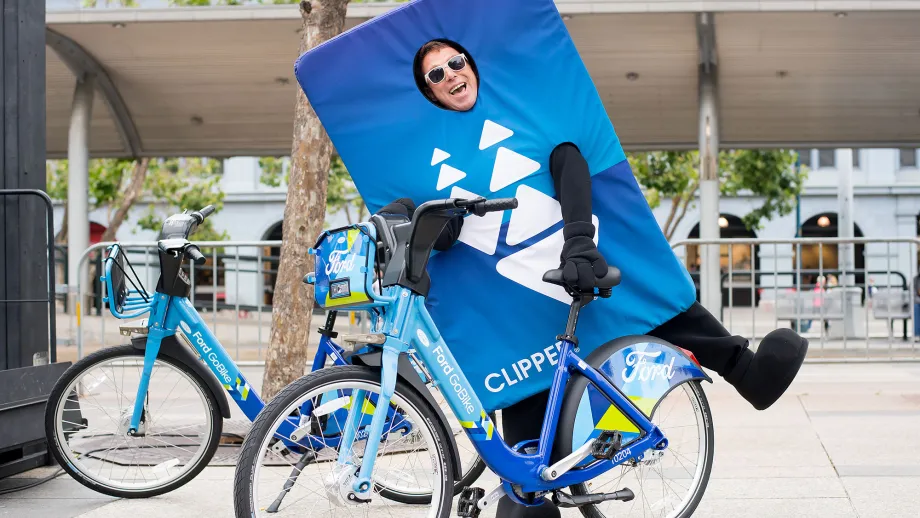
[78, 177]
[846, 252]
[853, 325]
[710, 272]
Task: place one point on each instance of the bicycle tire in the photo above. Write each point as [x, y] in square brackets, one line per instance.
[57, 397]
[476, 469]
[592, 511]
[243, 485]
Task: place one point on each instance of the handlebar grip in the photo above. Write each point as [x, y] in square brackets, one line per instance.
[199, 215]
[500, 204]
[195, 254]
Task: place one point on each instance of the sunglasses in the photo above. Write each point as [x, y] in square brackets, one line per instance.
[437, 74]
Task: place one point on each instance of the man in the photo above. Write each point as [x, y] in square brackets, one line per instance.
[447, 76]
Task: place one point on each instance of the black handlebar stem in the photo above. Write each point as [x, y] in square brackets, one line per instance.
[416, 239]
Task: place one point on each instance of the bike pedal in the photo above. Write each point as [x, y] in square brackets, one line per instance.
[607, 444]
[468, 506]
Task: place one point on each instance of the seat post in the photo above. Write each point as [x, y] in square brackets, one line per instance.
[577, 304]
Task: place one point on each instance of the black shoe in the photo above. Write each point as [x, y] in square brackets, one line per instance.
[507, 508]
[762, 377]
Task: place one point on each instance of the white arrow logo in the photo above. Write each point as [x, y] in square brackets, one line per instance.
[449, 176]
[493, 134]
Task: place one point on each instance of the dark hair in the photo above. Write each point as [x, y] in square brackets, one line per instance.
[419, 74]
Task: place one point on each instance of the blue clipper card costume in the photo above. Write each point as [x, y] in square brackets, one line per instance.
[487, 297]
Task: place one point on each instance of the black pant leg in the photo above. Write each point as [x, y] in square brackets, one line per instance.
[520, 422]
[701, 333]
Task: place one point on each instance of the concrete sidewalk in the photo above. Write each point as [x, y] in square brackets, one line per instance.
[843, 442]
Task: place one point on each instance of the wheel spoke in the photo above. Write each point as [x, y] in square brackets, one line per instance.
[666, 490]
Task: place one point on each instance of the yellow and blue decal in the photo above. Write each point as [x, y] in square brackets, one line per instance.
[484, 427]
[645, 372]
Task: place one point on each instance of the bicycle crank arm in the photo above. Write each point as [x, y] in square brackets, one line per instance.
[570, 461]
[305, 459]
[564, 500]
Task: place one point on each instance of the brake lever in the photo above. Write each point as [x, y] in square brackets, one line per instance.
[469, 203]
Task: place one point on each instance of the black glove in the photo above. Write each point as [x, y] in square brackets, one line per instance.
[581, 263]
[406, 207]
[449, 234]
[401, 207]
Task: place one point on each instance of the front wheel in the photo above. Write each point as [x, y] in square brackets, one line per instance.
[88, 416]
[276, 478]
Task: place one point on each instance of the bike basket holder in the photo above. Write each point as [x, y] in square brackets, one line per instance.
[126, 295]
[345, 268]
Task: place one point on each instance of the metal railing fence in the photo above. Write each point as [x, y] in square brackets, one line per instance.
[765, 284]
[232, 291]
[846, 310]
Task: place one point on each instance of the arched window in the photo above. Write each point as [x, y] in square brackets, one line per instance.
[740, 257]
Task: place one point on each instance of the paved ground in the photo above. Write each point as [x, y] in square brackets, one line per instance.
[841, 443]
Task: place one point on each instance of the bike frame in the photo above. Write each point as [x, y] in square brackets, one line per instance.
[169, 314]
[407, 324]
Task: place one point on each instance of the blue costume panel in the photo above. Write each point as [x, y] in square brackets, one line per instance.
[487, 296]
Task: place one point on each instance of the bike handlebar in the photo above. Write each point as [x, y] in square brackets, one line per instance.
[200, 215]
[478, 206]
[500, 204]
[195, 254]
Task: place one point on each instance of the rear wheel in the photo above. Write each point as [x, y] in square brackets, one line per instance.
[669, 483]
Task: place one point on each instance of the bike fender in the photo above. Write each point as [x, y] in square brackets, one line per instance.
[171, 347]
[407, 372]
[644, 368]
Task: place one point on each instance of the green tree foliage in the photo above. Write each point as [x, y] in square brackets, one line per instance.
[341, 193]
[173, 184]
[109, 182]
[184, 184]
[768, 174]
[273, 171]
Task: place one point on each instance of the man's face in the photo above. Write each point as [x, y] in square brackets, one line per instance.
[458, 90]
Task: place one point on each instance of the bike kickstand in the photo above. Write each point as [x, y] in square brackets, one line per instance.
[307, 458]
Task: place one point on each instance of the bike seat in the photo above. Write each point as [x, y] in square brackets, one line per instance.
[606, 282]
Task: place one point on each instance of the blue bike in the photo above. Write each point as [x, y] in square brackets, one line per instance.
[627, 431]
[143, 419]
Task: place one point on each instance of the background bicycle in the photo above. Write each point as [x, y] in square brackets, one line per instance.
[143, 419]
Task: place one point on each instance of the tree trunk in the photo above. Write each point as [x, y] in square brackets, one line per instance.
[304, 214]
[132, 193]
[667, 224]
[683, 212]
[61, 237]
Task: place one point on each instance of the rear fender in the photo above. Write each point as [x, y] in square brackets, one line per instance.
[646, 369]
